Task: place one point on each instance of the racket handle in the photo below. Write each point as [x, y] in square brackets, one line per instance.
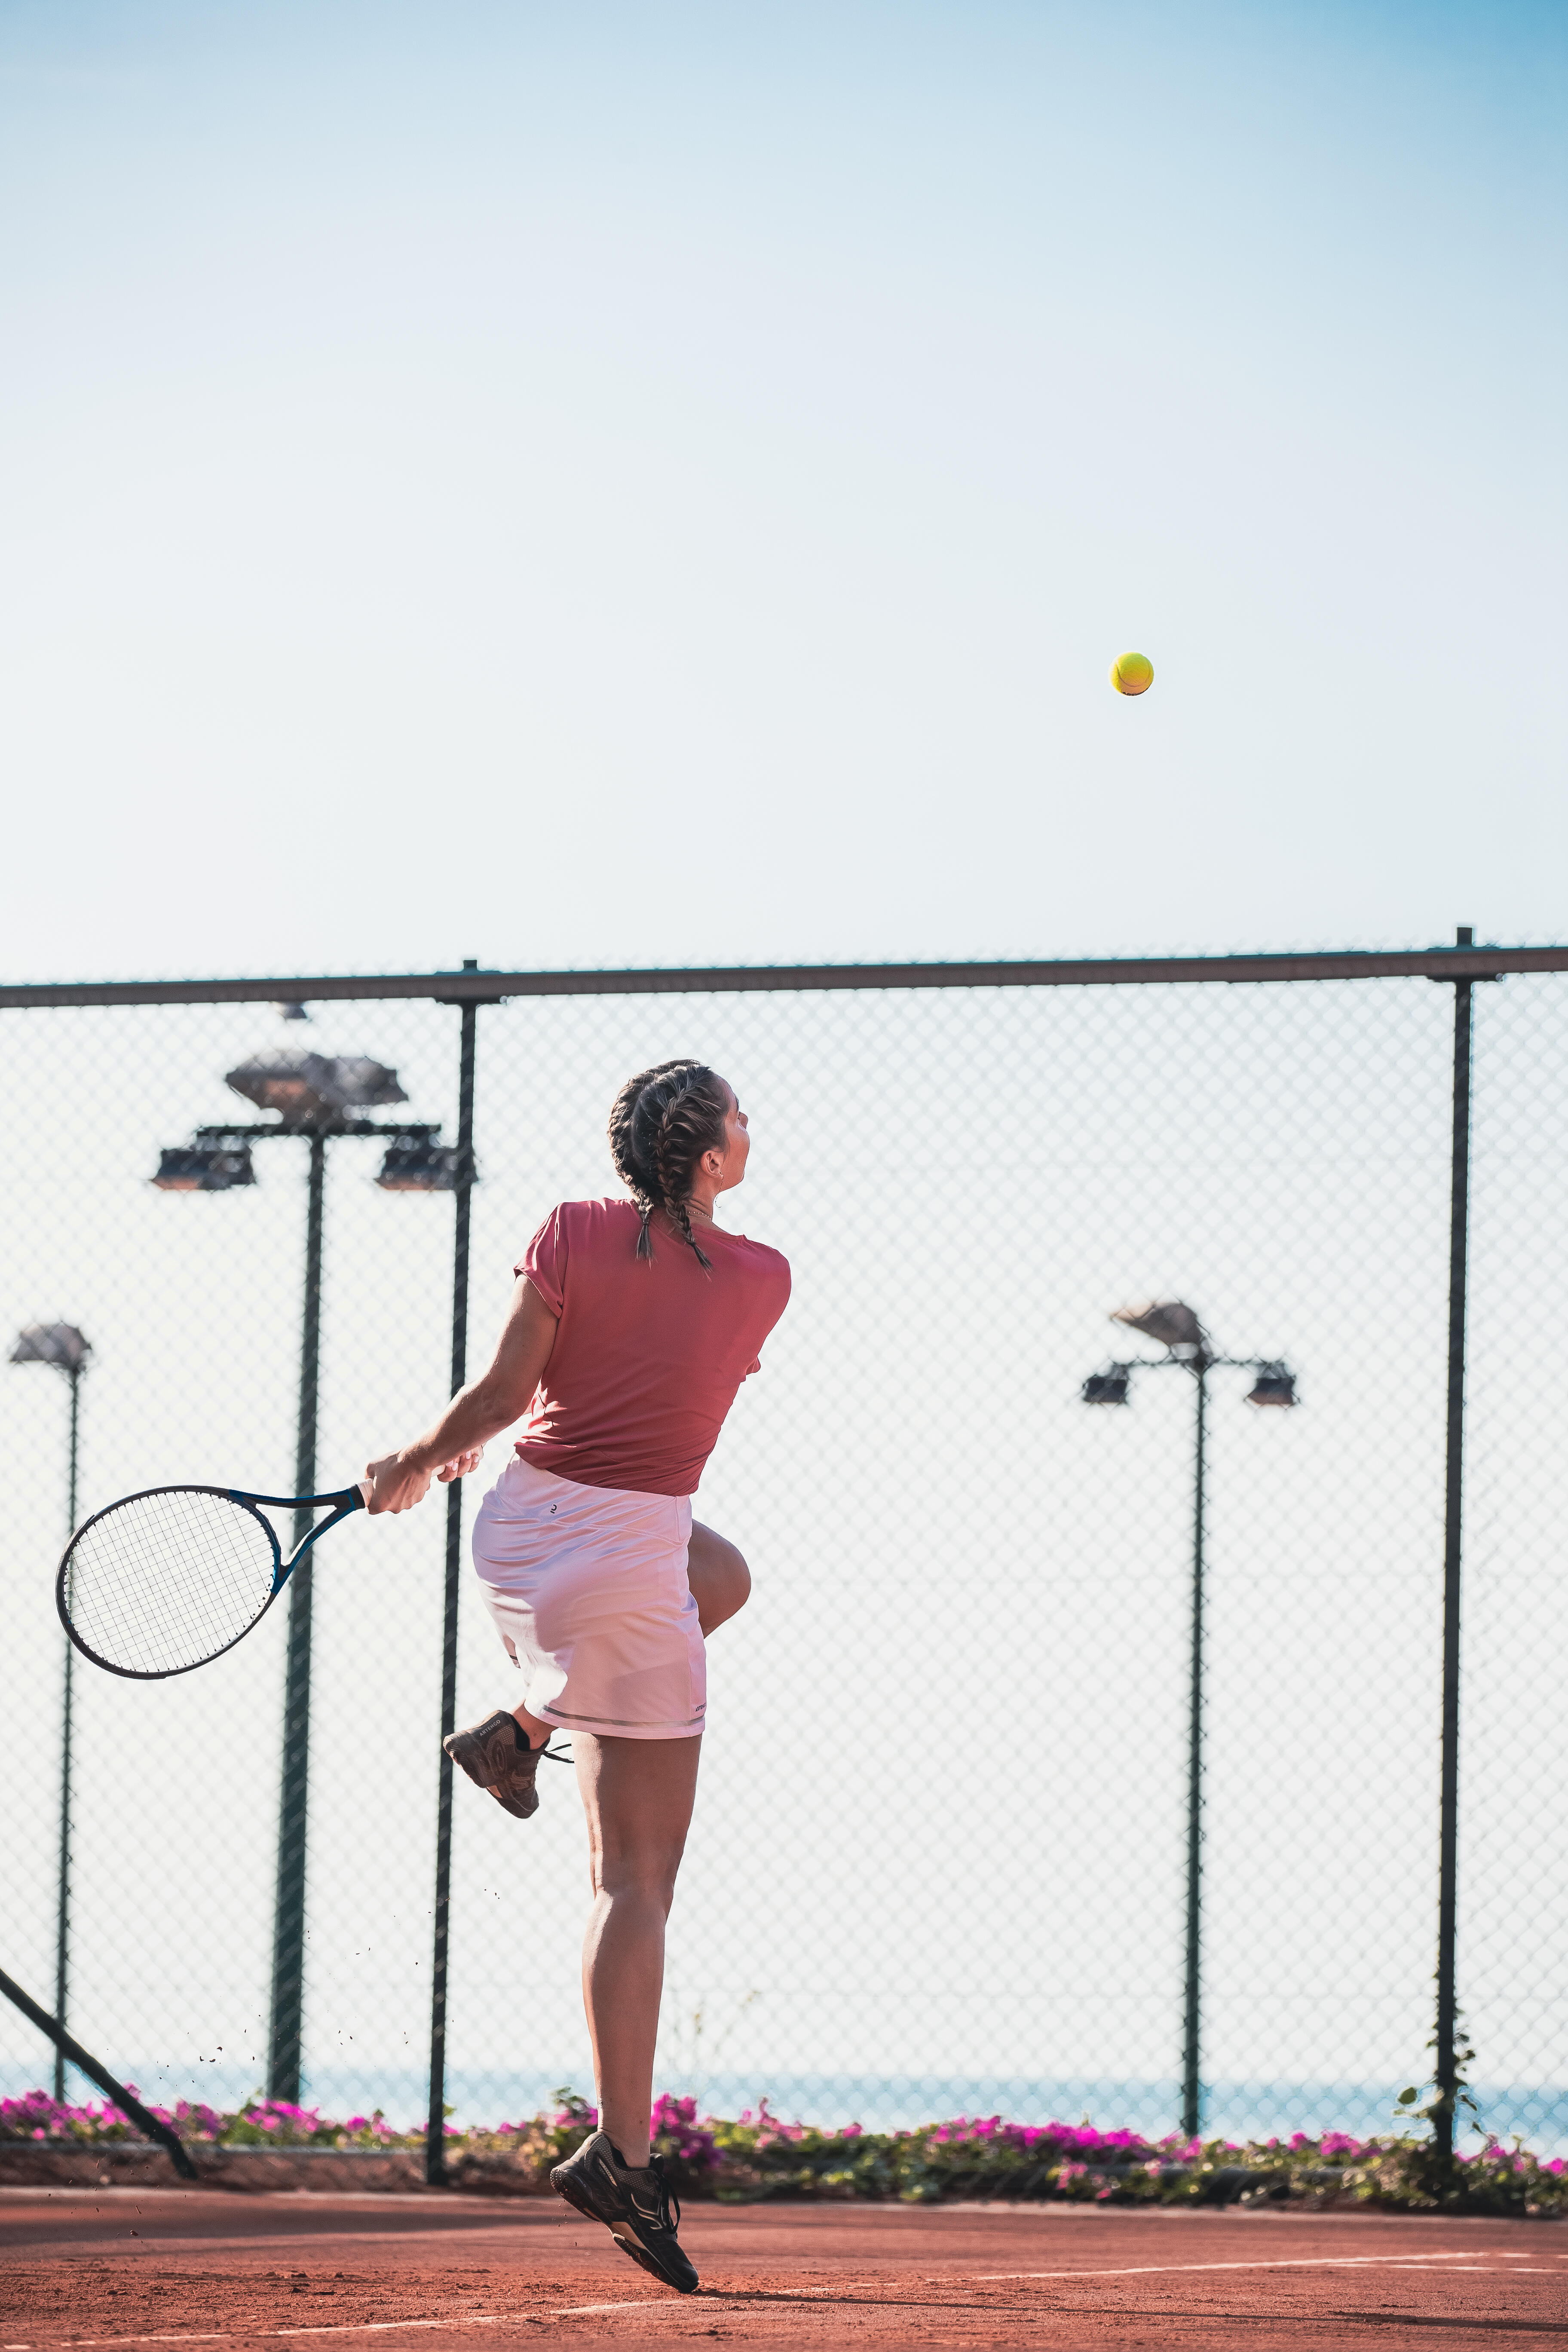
[363, 1485]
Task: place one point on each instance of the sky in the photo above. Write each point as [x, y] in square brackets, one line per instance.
[666, 483]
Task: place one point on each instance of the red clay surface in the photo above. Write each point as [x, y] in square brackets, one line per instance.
[103, 2267]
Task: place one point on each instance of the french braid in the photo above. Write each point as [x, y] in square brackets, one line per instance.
[663, 1120]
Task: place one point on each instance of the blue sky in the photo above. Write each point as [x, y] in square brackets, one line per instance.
[667, 483]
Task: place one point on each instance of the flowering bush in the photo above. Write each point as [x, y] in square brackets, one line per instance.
[686, 2145]
[531, 2147]
[260, 2123]
[985, 2157]
[690, 2149]
[758, 2155]
[273, 2123]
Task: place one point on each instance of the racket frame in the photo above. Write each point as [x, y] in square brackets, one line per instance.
[343, 1503]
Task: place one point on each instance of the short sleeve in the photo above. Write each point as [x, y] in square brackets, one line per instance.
[755, 1365]
[544, 1263]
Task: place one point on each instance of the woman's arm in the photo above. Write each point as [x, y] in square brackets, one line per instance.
[452, 1446]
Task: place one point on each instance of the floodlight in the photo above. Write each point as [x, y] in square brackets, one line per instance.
[60, 1344]
[313, 1089]
[1274, 1385]
[1106, 1388]
[204, 1168]
[419, 1168]
[1171, 1322]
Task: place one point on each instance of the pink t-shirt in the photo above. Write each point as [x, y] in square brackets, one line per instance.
[648, 1355]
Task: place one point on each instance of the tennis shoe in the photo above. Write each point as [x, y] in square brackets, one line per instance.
[496, 1756]
[636, 2204]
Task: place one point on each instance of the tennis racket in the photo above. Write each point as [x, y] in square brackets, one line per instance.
[167, 1580]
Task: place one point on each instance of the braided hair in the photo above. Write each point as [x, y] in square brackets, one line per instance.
[664, 1120]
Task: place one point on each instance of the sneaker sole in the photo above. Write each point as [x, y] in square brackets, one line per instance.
[468, 1756]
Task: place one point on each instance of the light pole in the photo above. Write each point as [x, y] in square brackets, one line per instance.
[62, 1345]
[314, 1096]
[1178, 1330]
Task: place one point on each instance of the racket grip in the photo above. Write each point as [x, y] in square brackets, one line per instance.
[361, 1487]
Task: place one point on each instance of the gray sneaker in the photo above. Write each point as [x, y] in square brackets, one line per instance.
[496, 1756]
[640, 2212]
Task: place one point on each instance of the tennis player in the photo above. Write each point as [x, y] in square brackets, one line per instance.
[630, 1330]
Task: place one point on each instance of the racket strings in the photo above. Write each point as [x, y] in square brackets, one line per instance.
[163, 1581]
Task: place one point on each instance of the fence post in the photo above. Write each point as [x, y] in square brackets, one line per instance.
[1445, 2070]
[1192, 2089]
[436, 2129]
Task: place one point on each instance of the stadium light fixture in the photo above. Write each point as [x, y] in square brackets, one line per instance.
[60, 1344]
[204, 1168]
[1172, 1323]
[1175, 1326]
[419, 1167]
[316, 1099]
[313, 1089]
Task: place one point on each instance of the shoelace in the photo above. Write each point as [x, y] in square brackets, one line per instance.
[668, 2203]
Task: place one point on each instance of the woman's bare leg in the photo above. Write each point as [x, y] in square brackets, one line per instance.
[637, 1795]
[719, 1580]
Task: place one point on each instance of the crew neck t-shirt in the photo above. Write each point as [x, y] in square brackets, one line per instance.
[649, 1353]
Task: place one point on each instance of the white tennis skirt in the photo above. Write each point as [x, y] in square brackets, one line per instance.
[587, 1587]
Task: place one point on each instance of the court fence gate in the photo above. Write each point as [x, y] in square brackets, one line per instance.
[1182, 1764]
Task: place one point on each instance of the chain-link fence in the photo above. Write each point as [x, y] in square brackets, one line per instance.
[940, 1860]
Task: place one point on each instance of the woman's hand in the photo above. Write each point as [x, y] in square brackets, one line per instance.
[396, 1485]
[393, 1486]
[461, 1465]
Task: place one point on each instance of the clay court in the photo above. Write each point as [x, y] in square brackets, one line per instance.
[98, 2268]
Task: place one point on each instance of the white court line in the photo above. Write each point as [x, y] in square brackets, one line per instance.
[715, 2298]
[988, 2278]
[1290, 2262]
[643, 2302]
[978, 2278]
[709, 2294]
[379, 2326]
[736, 2306]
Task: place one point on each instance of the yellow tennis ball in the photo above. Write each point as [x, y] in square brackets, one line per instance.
[1133, 674]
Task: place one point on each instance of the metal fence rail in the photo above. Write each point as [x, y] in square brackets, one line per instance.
[1048, 1769]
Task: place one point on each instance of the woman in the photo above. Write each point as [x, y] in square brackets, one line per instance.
[630, 1330]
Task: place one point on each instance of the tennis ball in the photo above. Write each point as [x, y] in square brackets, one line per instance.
[1133, 674]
